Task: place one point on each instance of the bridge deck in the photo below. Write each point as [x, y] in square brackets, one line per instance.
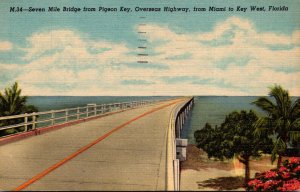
[131, 158]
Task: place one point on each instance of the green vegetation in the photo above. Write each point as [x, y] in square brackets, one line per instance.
[282, 120]
[234, 138]
[12, 103]
[244, 135]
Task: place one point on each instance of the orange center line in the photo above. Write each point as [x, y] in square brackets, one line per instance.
[68, 158]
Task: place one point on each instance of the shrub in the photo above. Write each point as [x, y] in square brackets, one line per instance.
[285, 178]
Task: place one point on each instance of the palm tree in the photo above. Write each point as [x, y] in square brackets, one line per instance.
[12, 103]
[282, 121]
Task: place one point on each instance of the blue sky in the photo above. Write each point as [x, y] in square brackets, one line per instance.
[194, 53]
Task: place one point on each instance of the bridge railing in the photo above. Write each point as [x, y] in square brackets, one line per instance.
[177, 120]
[26, 122]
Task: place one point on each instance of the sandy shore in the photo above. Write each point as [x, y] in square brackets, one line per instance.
[200, 173]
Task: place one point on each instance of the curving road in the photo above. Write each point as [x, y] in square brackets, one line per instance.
[123, 151]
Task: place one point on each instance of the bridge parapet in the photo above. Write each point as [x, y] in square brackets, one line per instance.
[176, 147]
[33, 123]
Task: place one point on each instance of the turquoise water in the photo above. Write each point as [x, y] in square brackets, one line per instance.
[213, 110]
[210, 109]
[46, 103]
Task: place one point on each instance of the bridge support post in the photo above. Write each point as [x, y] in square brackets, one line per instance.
[93, 108]
[100, 109]
[186, 112]
[178, 126]
[77, 113]
[182, 120]
[67, 116]
[25, 122]
[33, 121]
[52, 117]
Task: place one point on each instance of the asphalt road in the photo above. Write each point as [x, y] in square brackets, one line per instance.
[133, 157]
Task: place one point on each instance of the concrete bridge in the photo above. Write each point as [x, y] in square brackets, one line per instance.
[126, 147]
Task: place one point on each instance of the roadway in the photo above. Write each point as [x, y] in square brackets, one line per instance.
[123, 151]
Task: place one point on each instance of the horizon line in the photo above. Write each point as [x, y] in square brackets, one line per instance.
[152, 95]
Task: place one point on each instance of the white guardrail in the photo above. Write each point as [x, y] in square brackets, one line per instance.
[37, 120]
[178, 116]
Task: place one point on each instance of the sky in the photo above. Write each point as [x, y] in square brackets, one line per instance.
[193, 53]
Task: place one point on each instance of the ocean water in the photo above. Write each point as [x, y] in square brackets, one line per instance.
[213, 110]
[207, 109]
[46, 103]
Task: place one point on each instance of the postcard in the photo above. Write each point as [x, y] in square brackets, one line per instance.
[150, 95]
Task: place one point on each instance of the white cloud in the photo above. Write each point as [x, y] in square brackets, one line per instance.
[5, 46]
[235, 53]
[232, 59]
[40, 43]
[61, 58]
